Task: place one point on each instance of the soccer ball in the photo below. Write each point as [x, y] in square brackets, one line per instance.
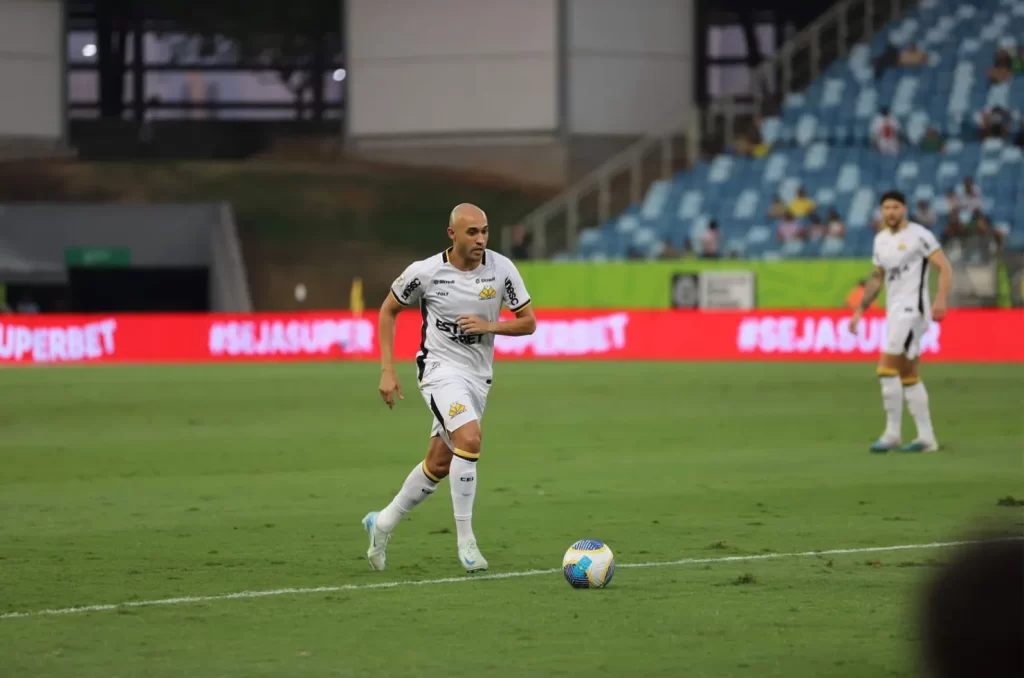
[588, 564]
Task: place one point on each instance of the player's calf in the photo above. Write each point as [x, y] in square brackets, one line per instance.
[892, 402]
[467, 441]
[917, 402]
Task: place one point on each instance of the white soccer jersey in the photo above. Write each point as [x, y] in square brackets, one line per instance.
[903, 256]
[444, 293]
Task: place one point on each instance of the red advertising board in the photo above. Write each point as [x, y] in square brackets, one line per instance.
[964, 336]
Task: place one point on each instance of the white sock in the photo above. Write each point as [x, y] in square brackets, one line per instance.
[892, 400]
[917, 403]
[415, 489]
[463, 482]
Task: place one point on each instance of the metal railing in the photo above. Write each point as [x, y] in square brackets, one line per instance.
[555, 225]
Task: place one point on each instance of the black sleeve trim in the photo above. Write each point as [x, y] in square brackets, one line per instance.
[397, 299]
[520, 307]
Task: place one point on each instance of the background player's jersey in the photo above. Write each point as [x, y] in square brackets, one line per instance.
[443, 293]
[903, 256]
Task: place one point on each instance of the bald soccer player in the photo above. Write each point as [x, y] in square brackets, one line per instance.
[460, 293]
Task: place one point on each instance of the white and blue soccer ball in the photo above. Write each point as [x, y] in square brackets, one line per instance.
[588, 564]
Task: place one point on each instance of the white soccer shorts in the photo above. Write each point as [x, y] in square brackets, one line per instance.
[453, 401]
[904, 332]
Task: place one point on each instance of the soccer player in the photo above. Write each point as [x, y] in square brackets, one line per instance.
[460, 293]
[902, 254]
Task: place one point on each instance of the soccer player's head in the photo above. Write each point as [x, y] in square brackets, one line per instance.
[467, 227]
[894, 209]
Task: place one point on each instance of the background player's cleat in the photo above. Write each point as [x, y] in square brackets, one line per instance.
[378, 542]
[470, 557]
[921, 446]
[883, 445]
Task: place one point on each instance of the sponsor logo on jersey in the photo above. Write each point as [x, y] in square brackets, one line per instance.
[410, 288]
[483, 280]
[400, 280]
[510, 293]
[440, 293]
[441, 281]
[488, 293]
[456, 409]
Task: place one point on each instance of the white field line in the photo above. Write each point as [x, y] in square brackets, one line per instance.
[242, 595]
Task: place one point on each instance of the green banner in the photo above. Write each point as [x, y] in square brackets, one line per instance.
[648, 284]
[97, 257]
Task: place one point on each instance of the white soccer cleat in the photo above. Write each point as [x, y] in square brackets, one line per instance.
[471, 558]
[377, 553]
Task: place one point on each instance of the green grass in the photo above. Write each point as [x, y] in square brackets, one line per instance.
[131, 484]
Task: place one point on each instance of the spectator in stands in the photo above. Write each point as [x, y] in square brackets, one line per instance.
[521, 241]
[802, 205]
[817, 230]
[1018, 61]
[1019, 140]
[994, 122]
[981, 226]
[836, 227]
[778, 208]
[951, 201]
[789, 229]
[1002, 67]
[750, 142]
[925, 215]
[633, 253]
[954, 228]
[933, 141]
[668, 250]
[885, 132]
[913, 57]
[971, 199]
[710, 242]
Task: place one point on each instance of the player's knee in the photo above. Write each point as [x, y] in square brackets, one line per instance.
[468, 438]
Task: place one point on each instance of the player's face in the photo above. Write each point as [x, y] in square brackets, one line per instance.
[893, 213]
[470, 240]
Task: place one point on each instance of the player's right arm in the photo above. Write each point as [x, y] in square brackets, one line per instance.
[406, 290]
[872, 288]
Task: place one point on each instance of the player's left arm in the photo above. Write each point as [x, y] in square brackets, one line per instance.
[938, 258]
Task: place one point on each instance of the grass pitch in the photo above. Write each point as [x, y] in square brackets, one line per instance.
[139, 484]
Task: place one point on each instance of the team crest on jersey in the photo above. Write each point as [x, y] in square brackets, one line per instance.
[456, 409]
[488, 293]
[901, 247]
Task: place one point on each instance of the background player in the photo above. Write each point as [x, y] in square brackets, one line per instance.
[460, 293]
[902, 253]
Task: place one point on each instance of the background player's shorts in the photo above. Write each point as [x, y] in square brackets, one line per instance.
[904, 333]
[453, 400]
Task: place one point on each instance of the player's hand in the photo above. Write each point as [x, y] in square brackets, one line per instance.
[855, 321]
[939, 310]
[389, 386]
[471, 324]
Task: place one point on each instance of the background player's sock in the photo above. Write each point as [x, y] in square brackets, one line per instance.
[892, 400]
[416, 488]
[463, 482]
[917, 403]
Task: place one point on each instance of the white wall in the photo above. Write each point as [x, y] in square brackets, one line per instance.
[451, 66]
[31, 68]
[631, 64]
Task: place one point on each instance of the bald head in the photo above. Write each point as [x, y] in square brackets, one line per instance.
[465, 215]
[467, 227]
